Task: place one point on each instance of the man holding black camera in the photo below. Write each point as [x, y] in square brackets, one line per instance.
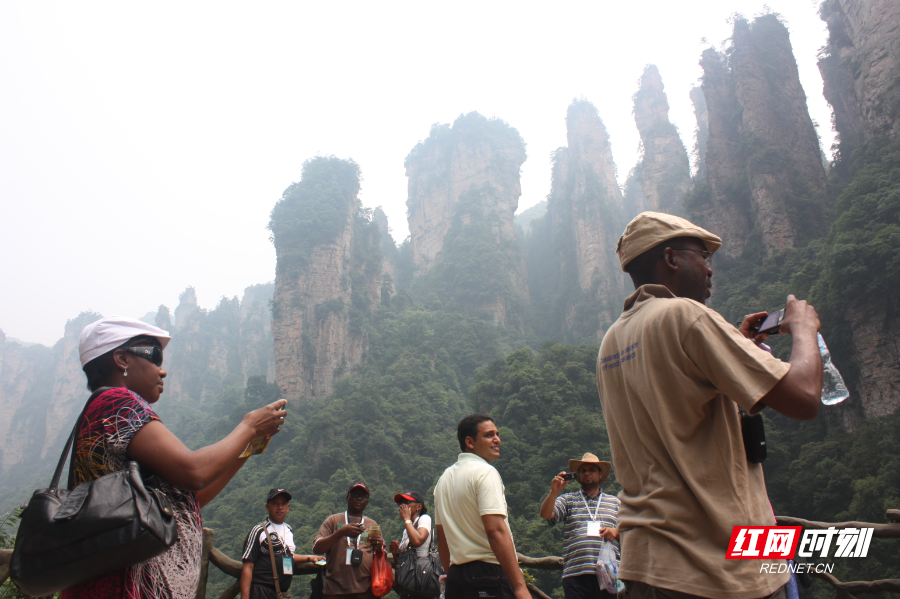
[671, 374]
[344, 539]
[589, 517]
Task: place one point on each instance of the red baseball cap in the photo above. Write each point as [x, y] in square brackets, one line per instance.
[358, 486]
[409, 496]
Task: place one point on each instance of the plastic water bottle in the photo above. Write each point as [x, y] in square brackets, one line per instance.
[443, 584]
[833, 388]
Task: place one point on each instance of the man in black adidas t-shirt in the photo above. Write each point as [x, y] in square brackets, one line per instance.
[257, 581]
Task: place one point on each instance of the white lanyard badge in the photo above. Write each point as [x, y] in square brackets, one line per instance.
[347, 520]
[354, 555]
[593, 527]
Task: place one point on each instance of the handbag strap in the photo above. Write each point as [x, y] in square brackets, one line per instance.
[272, 557]
[54, 484]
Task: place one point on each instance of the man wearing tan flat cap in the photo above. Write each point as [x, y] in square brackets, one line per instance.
[589, 518]
[671, 374]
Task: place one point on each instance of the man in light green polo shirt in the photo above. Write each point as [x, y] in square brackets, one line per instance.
[474, 539]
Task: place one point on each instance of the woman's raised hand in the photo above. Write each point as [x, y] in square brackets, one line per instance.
[266, 420]
[405, 512]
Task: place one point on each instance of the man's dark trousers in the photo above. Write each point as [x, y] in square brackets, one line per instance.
[478, 580]
[584, 586]
[261, 591]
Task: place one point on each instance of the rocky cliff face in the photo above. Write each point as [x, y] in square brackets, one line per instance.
[69, 391]
[726, 210]
[633, 194]
[257, 354]
[388, 250]
[784, 166]
[586, 217]
[187, 308]
[763, 162]
[42, 390]
[861, 66]
[328, 279]
[212, 350]
[464, 184]
[702, 133]
[18, 371]
[664, 170]
[474, 153]
[877, 347]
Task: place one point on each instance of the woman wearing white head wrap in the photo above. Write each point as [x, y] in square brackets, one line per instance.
[125, 356]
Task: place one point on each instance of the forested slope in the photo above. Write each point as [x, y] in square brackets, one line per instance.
[392, 423]
[451, 326]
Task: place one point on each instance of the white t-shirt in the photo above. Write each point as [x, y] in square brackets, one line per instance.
[283, 531]
[423, 521]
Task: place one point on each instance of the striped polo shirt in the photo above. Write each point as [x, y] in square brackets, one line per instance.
[580, 552]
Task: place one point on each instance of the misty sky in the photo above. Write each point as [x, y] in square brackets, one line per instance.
[142, 145]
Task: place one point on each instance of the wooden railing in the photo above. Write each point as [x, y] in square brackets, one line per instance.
[843, 590]
[5, 556]
[232, 567]
[849, 590]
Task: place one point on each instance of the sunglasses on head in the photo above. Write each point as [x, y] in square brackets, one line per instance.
[152, 353]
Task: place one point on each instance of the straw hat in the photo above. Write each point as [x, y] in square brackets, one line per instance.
[589, 458]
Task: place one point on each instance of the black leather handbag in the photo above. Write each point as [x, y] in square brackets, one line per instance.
[419, 576]
[69, 537]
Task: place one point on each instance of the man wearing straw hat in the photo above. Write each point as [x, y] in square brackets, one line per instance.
[671, 374]
[589, 517]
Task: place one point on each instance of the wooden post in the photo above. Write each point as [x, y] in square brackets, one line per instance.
[208, 539]
[232, 591]
[5, 557]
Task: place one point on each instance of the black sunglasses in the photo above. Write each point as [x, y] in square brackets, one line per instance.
[150, 352]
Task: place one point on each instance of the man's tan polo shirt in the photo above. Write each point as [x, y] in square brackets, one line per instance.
[669, 372]
[342, 578]
[467, 490]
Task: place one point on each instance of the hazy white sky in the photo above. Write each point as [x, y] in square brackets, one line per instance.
[142, 145]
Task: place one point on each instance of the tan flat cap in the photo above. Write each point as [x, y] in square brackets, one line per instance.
[589, 458]
[649, 229]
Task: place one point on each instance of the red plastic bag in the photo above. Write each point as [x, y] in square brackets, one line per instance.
[382, 575]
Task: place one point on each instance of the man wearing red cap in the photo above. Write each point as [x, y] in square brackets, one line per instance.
[344, 539]
[671, 374]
